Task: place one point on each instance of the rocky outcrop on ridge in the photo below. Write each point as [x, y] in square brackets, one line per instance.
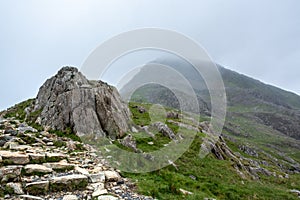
[69, 101]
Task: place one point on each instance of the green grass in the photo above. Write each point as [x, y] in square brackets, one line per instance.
[213, 178]
[18, 110]
[67, 134]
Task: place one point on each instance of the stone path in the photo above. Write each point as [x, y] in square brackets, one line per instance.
[40, 165]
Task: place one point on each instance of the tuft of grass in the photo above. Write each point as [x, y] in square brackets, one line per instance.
[18, 110]
[67, 134]
[59, 143]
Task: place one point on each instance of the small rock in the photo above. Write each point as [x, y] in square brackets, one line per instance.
[70, 197]
[97, 186]
[94, 178]
[134, 130]
[4, 139]
[30, 197]
[17, 187]
[22, 128]
[130, 142]
[112, 176]
[10, 173]
[173, 115]
[185, 192]
[81, 170]
[107, 197]
[296, 191]
[55, 156]
[11, 132]
[99, 192]
[164, 129]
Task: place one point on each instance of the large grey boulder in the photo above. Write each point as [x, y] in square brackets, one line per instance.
[70, 101]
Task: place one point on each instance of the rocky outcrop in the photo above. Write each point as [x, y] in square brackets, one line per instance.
[69, 101]
[164, 129]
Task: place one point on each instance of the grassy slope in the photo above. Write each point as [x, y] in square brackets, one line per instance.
[213, 178]
[210, 177]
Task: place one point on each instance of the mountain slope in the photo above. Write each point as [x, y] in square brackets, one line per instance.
[257, 113]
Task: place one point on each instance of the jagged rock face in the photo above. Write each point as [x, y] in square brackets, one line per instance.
[70, 100]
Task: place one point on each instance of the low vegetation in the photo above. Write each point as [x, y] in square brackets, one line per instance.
[205, 178]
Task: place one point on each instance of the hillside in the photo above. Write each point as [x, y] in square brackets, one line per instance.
[253, 108]
[41, 160]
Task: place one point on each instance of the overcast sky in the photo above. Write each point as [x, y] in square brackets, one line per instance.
[259, 38]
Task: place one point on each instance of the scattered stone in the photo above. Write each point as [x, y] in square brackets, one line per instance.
[99, 192]
[134, 130]
[112, 176]
[70, 197]
[81, 170]
[164, 129]
[23, 127]
[130, 142]
[17, 187]
[97, 186]
[30, 197]
[185, 192]
[54, 157]
[11, 132]
[4, 139]
[295, 191]
[10, 173]
[94, 178]
[107, 197]
[248, 150]
[173, 115]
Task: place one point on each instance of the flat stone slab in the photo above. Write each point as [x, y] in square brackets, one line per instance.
[55, 157]
[70, 197]
[30, 197]
[36, 158]
[17, 158]
[36, 168]
[107, 197]
[99, 192]
[69, 182]
[59, 166]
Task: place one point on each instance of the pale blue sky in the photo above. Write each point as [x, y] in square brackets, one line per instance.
[257, 38]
